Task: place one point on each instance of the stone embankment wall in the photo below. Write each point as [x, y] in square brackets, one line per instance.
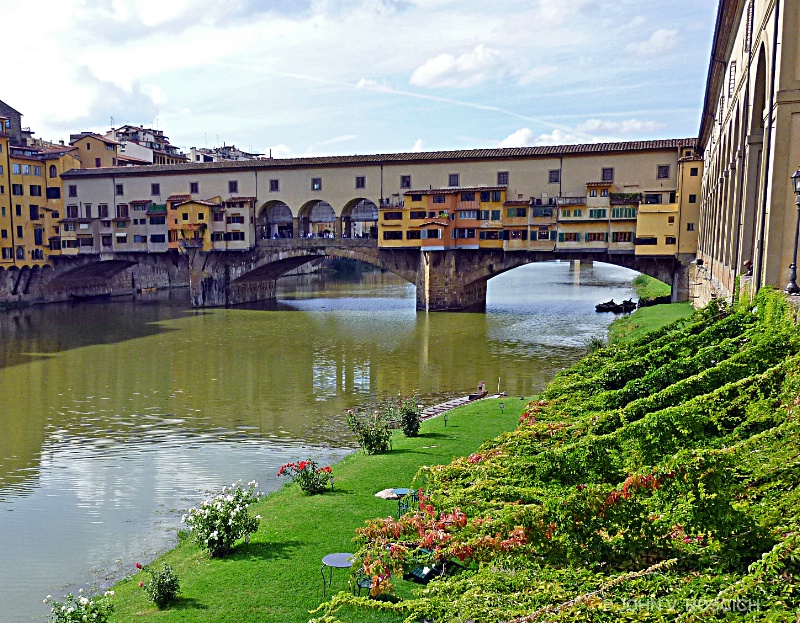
[75, 278]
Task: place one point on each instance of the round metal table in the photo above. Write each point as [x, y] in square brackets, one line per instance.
[339, 560]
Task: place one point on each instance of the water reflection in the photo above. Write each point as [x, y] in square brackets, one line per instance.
[118, 415]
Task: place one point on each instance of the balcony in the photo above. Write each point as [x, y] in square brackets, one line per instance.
[625, 198]
[571, 201]
[392, 202]
[190, 243]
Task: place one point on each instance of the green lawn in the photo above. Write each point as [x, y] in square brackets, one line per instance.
[277, 577]
[646, 319]
[647, 288]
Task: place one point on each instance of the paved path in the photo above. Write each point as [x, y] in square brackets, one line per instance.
[431, 412]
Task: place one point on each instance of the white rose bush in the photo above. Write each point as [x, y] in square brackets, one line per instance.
[219, 522]
[96, 608]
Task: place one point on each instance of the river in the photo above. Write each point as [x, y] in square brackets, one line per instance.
[117, 416]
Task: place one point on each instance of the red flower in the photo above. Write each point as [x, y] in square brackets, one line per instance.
[141, 584]
[139, 565]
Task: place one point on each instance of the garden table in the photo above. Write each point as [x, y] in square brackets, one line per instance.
[339, 560]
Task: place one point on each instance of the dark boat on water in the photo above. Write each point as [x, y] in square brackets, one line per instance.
[616, 308]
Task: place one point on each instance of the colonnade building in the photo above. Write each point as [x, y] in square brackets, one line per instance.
[750, 142]
[629, 197]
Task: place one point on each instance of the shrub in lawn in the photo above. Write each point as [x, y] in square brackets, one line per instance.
[410, 414]
[81, 608]
[163, 587]
[312, 479]
[219, 522]
[373, 431]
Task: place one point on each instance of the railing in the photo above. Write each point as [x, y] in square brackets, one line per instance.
[618, 198]
[310, 243]
[570, 201]
[392, 203]
[190, 244]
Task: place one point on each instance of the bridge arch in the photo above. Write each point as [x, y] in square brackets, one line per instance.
[317, 219]
[275, 220]
[360, 219]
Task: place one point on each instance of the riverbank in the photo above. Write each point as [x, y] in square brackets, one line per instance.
[276, 578]
[655, 480]
[645, 320]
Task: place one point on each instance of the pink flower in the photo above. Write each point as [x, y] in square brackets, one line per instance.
[139, 565]
[141, 584]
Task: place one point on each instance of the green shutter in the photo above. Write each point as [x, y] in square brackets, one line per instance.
[561, 237]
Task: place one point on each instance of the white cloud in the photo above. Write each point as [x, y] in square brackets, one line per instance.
[525, 137]
[419, 145]
[280, 151]
[662, 40]
[629, 126]
[482, 64]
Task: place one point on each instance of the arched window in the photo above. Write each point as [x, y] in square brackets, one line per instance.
[53, 171]
[20, 253]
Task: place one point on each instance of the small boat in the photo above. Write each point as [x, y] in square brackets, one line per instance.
[480, 393]
[608, 306]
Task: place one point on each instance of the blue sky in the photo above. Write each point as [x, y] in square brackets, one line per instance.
[319, 77]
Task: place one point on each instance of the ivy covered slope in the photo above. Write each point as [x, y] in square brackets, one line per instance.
[655, 481]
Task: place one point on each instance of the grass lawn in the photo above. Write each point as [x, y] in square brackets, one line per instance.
[277, 577]
[647, 288]
[647, 319]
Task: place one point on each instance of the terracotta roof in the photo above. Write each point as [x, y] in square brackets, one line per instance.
[140, 202]
[179, 197]
[131, 159]
[596, 184]
[99, 137]
[516, 202]
[454, 190]
[240, 199]
[724, 32]
[508, 153]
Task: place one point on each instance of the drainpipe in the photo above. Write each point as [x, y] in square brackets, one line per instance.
[768, 149]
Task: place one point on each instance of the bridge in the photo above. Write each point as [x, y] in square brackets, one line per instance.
[449, 280]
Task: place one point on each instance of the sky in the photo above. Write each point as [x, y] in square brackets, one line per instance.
[340, 77]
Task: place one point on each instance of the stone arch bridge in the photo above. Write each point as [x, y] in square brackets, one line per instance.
[451, 280]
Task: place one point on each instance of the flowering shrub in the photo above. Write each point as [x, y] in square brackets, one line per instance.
[96, 608]
[217, 523]
[312, 479]
[163, 587]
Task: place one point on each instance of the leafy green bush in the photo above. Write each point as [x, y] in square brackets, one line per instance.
[96, 608]
[373, 432]
[410, 414]
[219, 522]
[163, 587]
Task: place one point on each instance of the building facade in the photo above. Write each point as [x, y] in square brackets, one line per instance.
[621, 197]
[750, 142]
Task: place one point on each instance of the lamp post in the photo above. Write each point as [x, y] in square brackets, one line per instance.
[502, 408]
[792, 287]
